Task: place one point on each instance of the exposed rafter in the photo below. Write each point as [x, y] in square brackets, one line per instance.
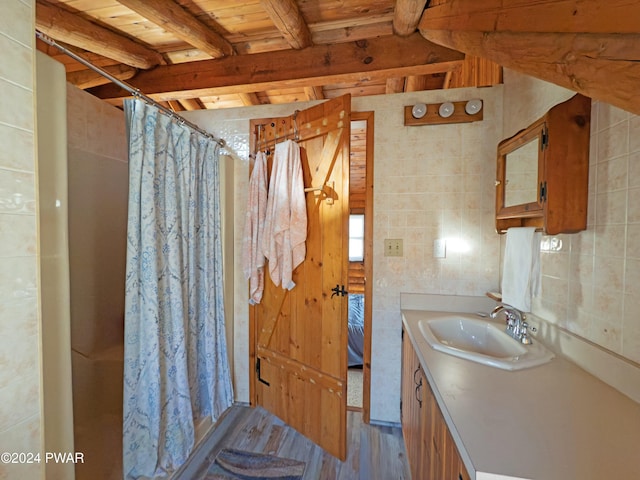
[540, 16]
[286, 16]
[406, 16]
[88, 78]
[249, 98]
[283, 50]
[68, 28]
[191, 104]
[395, 85]
[314, 93]
[379, 58]
[415, 83]
[175, 19]
[584, 45]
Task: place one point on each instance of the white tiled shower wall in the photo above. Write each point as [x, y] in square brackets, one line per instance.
[20, 383]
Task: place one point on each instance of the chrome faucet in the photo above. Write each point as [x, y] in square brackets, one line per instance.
[517, 327]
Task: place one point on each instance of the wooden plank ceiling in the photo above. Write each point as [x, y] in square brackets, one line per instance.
[194, 54]
[219, 53]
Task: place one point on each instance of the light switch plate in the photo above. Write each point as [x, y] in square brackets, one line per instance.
[439, 248]
[393, 247]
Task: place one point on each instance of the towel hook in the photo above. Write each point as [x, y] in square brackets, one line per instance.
[295, 125]
[257, 133]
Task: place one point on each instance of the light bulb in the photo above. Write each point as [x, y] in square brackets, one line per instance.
[446, 109]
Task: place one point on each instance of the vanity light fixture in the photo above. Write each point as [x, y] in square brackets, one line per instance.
[473, 106]
[446, 110]
[419, 110]
[463, 111]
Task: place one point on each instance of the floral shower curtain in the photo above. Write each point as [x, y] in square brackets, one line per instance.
[176, 370]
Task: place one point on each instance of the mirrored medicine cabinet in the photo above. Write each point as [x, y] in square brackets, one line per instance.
[543, 171]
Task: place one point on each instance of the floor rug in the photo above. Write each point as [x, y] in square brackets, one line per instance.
[233, 464]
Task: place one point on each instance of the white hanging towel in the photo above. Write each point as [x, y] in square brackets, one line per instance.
[252, 253]
[285, 230]
[521, 268]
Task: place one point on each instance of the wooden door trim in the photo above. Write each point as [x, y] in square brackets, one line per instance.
[298, 369]
[368, 264]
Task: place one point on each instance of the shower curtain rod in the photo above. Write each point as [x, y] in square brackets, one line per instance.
[134, 91]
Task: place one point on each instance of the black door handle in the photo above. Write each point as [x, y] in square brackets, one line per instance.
[339, 290]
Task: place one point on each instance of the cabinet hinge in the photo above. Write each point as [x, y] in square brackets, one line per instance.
[545, 139]
[543, 192]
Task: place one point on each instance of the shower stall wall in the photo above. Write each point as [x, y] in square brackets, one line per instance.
[82, 194]
[98, 185]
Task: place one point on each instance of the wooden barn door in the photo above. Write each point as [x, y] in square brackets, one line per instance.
[299, 337]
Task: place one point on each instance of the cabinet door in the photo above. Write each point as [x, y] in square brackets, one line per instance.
[431, 451]
[411, 406]
[444, 459]
[438, 435]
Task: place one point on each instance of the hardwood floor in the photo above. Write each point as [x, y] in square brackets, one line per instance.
[373, 452]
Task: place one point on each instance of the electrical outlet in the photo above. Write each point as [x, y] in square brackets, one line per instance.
[393, 247]
[439, 248]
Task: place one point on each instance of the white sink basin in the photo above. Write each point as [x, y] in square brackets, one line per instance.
[481, 341]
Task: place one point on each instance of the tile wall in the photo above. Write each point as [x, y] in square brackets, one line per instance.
[430, 182]
[591, 286]
[437, 182]
[20, 363]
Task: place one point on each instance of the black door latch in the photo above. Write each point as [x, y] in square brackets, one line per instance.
[339, 290]
[260, 379]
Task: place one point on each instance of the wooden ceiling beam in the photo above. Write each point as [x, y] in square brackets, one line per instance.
[175, 19]
[395, 85]
[541, 16]
[175, 106]
[66, 27]
[314, 93]
[88, 78]
[361, 61]
[191, 104]
[406, 16]
[287, 17]
[604, 67]
[446, 84]
[416, 83]
[248, 99]
[583, 45]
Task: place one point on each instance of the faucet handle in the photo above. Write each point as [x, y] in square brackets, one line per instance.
[524, 335]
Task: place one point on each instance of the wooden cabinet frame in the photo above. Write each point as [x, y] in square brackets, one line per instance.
[431, 450]
[563, 171]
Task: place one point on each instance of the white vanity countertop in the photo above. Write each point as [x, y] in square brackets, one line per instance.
[552, 422]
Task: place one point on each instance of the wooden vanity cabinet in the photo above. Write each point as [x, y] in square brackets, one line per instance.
[431, 451]
[542, 174]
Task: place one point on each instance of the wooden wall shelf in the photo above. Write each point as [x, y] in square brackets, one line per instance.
[432, 117]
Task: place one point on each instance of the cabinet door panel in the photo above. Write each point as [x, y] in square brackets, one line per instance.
[411, 428]
[431, 451]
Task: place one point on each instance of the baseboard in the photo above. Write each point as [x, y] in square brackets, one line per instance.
[382, 423]
[200, 451]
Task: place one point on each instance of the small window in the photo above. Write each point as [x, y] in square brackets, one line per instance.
[356, 238]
